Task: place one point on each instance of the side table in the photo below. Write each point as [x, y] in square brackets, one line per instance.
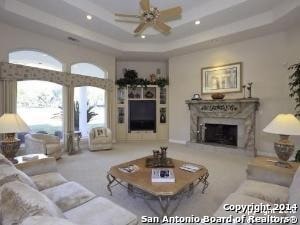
[264, 169]
[22, 159]
[73, 141]
[23, 163]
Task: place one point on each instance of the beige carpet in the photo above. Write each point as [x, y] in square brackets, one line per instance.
[227, 171]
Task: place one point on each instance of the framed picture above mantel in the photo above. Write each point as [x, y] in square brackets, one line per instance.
[222, 79]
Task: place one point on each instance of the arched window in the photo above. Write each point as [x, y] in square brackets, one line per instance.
[39, 103]
[35, 59]
[90, 102]
[88, 69]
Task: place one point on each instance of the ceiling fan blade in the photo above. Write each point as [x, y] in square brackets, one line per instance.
[160, 25]
[170, 13]
[140, 27]
[127, 15]
[127, 21]
[145, 5]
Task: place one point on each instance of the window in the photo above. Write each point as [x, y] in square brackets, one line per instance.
[90, 102]
[39, 103]
[35, 59]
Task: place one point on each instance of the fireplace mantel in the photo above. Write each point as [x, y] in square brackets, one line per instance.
[241, 112]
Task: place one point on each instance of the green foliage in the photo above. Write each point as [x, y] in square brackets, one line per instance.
[131, 79]
[130, 74]
[162, 82]
[90, 114]
[297, 157]
[295, 86]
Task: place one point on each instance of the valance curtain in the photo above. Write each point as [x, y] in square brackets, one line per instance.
[11, 73]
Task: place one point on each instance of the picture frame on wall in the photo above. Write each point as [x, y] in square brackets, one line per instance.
[222, 79]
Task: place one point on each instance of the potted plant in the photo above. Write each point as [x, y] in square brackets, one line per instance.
[295, 93]
[297, 157]
[162, 82]
[295, 86]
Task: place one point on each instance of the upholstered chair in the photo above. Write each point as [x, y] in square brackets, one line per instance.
[100, 138]
[43, 143]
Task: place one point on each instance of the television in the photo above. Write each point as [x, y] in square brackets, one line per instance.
[142, 115]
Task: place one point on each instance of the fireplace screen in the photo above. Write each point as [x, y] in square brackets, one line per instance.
[221, 134]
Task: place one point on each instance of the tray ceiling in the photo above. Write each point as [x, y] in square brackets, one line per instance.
[221, 21]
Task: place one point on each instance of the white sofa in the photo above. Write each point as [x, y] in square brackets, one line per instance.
[272, 191]
[264, 188]
[43, 143]
[100, 138]
[35, 193]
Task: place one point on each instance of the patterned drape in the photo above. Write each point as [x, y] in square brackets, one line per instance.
[8, 96]
[9, 71]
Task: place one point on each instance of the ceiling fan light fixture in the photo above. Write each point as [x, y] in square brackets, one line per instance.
[143, 36]
[197, 22]
[89, 17]
[152, 16]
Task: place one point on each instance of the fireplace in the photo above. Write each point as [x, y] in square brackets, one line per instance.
[221, 134]
[228, 122]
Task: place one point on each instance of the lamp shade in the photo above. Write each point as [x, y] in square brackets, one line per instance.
[12, 123]
[284, 124]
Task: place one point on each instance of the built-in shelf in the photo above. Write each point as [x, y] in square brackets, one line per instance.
[154, 93]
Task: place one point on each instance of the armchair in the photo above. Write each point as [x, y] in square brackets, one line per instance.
[43, 143]
[100, 138]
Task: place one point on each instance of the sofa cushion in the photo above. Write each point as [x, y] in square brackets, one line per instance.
[68, 195]
[10, 173]
[19, 201]
[45, 220]
[268, 192]
[4, 160]
[100, 209]
[237, 199]
[48, 180]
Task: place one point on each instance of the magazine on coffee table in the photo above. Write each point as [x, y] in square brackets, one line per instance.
[129, 168]
[163, 175]
[191, 167]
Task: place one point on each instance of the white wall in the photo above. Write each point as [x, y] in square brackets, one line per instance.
[143, 68]
[13, 38]
[265, 61]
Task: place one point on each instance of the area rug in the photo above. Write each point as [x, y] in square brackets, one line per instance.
[227, 170]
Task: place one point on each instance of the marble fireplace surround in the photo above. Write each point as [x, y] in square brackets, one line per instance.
[240, 112]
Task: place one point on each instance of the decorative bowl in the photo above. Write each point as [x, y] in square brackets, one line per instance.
[217, 96]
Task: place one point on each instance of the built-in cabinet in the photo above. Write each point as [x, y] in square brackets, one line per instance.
[155, 98]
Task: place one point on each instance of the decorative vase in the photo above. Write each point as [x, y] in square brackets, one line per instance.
[217, 96]
[162, 118]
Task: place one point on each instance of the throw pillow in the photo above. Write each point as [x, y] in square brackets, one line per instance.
[10, 173]
[19, 201]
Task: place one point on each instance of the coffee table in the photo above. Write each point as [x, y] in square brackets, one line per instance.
[138, 184]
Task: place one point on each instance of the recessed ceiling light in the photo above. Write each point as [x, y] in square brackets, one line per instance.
[197, 22]
[89, 17]
[143, 36]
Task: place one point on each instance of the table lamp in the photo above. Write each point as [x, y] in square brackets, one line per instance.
[284, 125]
[10, 124]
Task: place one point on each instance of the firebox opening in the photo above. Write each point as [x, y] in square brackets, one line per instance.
[221, 134]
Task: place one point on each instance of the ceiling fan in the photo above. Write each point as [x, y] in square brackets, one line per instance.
[151, 16]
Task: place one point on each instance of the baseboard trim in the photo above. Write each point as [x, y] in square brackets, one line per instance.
[177, 141]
